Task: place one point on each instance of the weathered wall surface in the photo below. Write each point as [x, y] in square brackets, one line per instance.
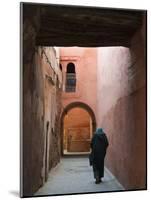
[85, 60]
[41, 111]
[121, 106]
[33, 124]
[32, 98]
[52, 107]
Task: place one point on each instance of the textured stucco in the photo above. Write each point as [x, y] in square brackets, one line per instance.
[85, 66]
[41, 111]
[121, 109]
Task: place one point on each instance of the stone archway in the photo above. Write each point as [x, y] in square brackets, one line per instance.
[72, 106]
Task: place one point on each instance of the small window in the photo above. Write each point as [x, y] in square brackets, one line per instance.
[70, 68]
[70, 78]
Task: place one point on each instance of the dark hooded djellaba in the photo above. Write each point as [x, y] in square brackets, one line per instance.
[99, 144]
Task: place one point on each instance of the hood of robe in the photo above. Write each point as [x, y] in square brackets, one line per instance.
[99, 132]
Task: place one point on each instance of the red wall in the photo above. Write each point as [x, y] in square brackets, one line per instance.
[85, 67]
[121, 110]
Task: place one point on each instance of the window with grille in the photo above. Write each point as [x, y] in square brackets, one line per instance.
[70, 78]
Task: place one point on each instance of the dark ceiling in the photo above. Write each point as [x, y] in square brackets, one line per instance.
[62, 25]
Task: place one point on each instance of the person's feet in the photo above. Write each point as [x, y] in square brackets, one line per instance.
[98, 181]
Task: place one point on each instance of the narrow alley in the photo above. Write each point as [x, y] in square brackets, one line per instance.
[84, 70]
[74, 175]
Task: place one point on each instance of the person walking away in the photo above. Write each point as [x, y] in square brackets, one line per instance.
[99, 144]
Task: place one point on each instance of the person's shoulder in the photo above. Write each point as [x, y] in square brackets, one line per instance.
[103, 135]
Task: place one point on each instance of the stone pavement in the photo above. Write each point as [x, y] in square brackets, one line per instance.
[74, 175]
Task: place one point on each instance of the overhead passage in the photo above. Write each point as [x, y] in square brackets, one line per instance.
[62, 25]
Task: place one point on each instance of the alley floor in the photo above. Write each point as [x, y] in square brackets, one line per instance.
[74, 175]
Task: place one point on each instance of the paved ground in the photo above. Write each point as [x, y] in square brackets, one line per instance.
[74, 175]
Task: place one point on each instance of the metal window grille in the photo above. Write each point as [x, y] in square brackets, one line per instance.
[70, 82]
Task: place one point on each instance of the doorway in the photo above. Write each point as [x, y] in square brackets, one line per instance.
[78, 125]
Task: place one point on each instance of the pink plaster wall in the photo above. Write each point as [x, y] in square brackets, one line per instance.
[85, 66]
[112, 78]
[121, 109]
[41, 105]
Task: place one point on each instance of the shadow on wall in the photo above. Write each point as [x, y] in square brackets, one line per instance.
[42, 104]
[121, 104]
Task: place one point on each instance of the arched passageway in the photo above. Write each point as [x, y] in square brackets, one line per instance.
[77, 131]
[126, 114]
[77, 126]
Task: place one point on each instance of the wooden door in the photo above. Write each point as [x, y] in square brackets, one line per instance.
[78, 139]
